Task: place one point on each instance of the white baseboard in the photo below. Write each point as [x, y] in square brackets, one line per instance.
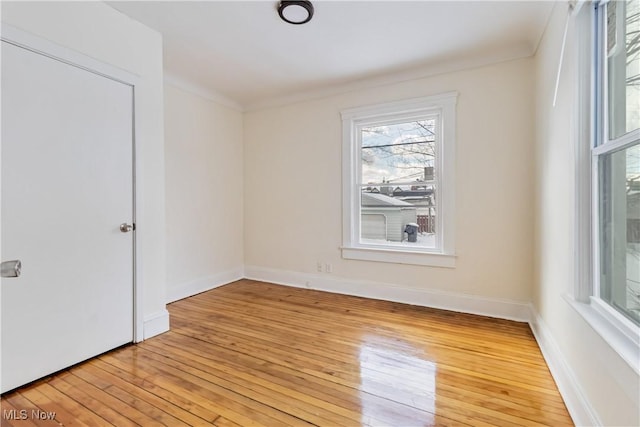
[577, 404]
[156, 324]
[204, 284]
[472, 304]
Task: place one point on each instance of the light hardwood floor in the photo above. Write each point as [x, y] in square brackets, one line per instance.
[252, 353]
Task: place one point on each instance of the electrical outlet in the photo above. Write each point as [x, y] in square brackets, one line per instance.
[328, 268]
[319, 267]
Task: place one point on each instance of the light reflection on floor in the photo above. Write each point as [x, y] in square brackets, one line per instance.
[395, 370]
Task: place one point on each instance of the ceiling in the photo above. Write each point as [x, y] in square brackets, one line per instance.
[241, 53]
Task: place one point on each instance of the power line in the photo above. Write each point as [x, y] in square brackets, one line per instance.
[396, 145]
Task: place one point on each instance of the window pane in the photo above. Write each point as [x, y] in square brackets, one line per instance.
[623, 66]
[619, 191]
[402, 215]
[399, 152]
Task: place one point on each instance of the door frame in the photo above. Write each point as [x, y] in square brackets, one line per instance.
[41, 46]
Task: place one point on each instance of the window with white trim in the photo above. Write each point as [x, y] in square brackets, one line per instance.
[398, 181]
[605, 254]
[616, 158]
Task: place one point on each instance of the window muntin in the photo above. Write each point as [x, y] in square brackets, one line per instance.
[616, 159]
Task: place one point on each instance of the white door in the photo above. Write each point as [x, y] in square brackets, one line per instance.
[67, 185]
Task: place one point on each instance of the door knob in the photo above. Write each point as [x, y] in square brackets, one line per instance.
[10, 268]
[125, 228]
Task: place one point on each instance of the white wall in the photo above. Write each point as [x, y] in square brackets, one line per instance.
[599, 375]
[204, 175]
[97, 30]
[292, 187]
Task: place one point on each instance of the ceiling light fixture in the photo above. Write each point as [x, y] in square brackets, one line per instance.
[295, 11]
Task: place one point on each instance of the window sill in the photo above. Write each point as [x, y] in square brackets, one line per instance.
[399, 256]
[622, 336]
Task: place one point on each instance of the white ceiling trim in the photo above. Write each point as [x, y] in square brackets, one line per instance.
[393, 78]
[367, 83]
[201, 91]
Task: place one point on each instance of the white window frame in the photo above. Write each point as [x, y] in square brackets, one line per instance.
[591, 127]
[444, 107]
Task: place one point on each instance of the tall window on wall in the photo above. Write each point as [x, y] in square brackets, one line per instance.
[398, 174]
[616, 158]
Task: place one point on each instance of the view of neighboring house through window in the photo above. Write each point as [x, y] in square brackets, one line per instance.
[616, 157]
[398, 191]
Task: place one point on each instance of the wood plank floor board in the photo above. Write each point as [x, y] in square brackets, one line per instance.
[180, 413]
[400, 414]
[326, 391]
[101, 407]
[326, 302]
[173, 391]
[211, 309]
[320, 313]
[317, 363]
[16, 414]
[251, 388]
[193, 412]
[278, 376]
[259, 354]
[394, 394]
[289, 392]
[320, 330]
[68, 412]
[230, 405]
[330, 348]
[496, 391]
[280, 395]
[136, 410]
[19, 403]
[223, 422]
[351, 307]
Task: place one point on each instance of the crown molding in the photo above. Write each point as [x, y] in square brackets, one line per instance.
[416, 73]
[201, 91]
